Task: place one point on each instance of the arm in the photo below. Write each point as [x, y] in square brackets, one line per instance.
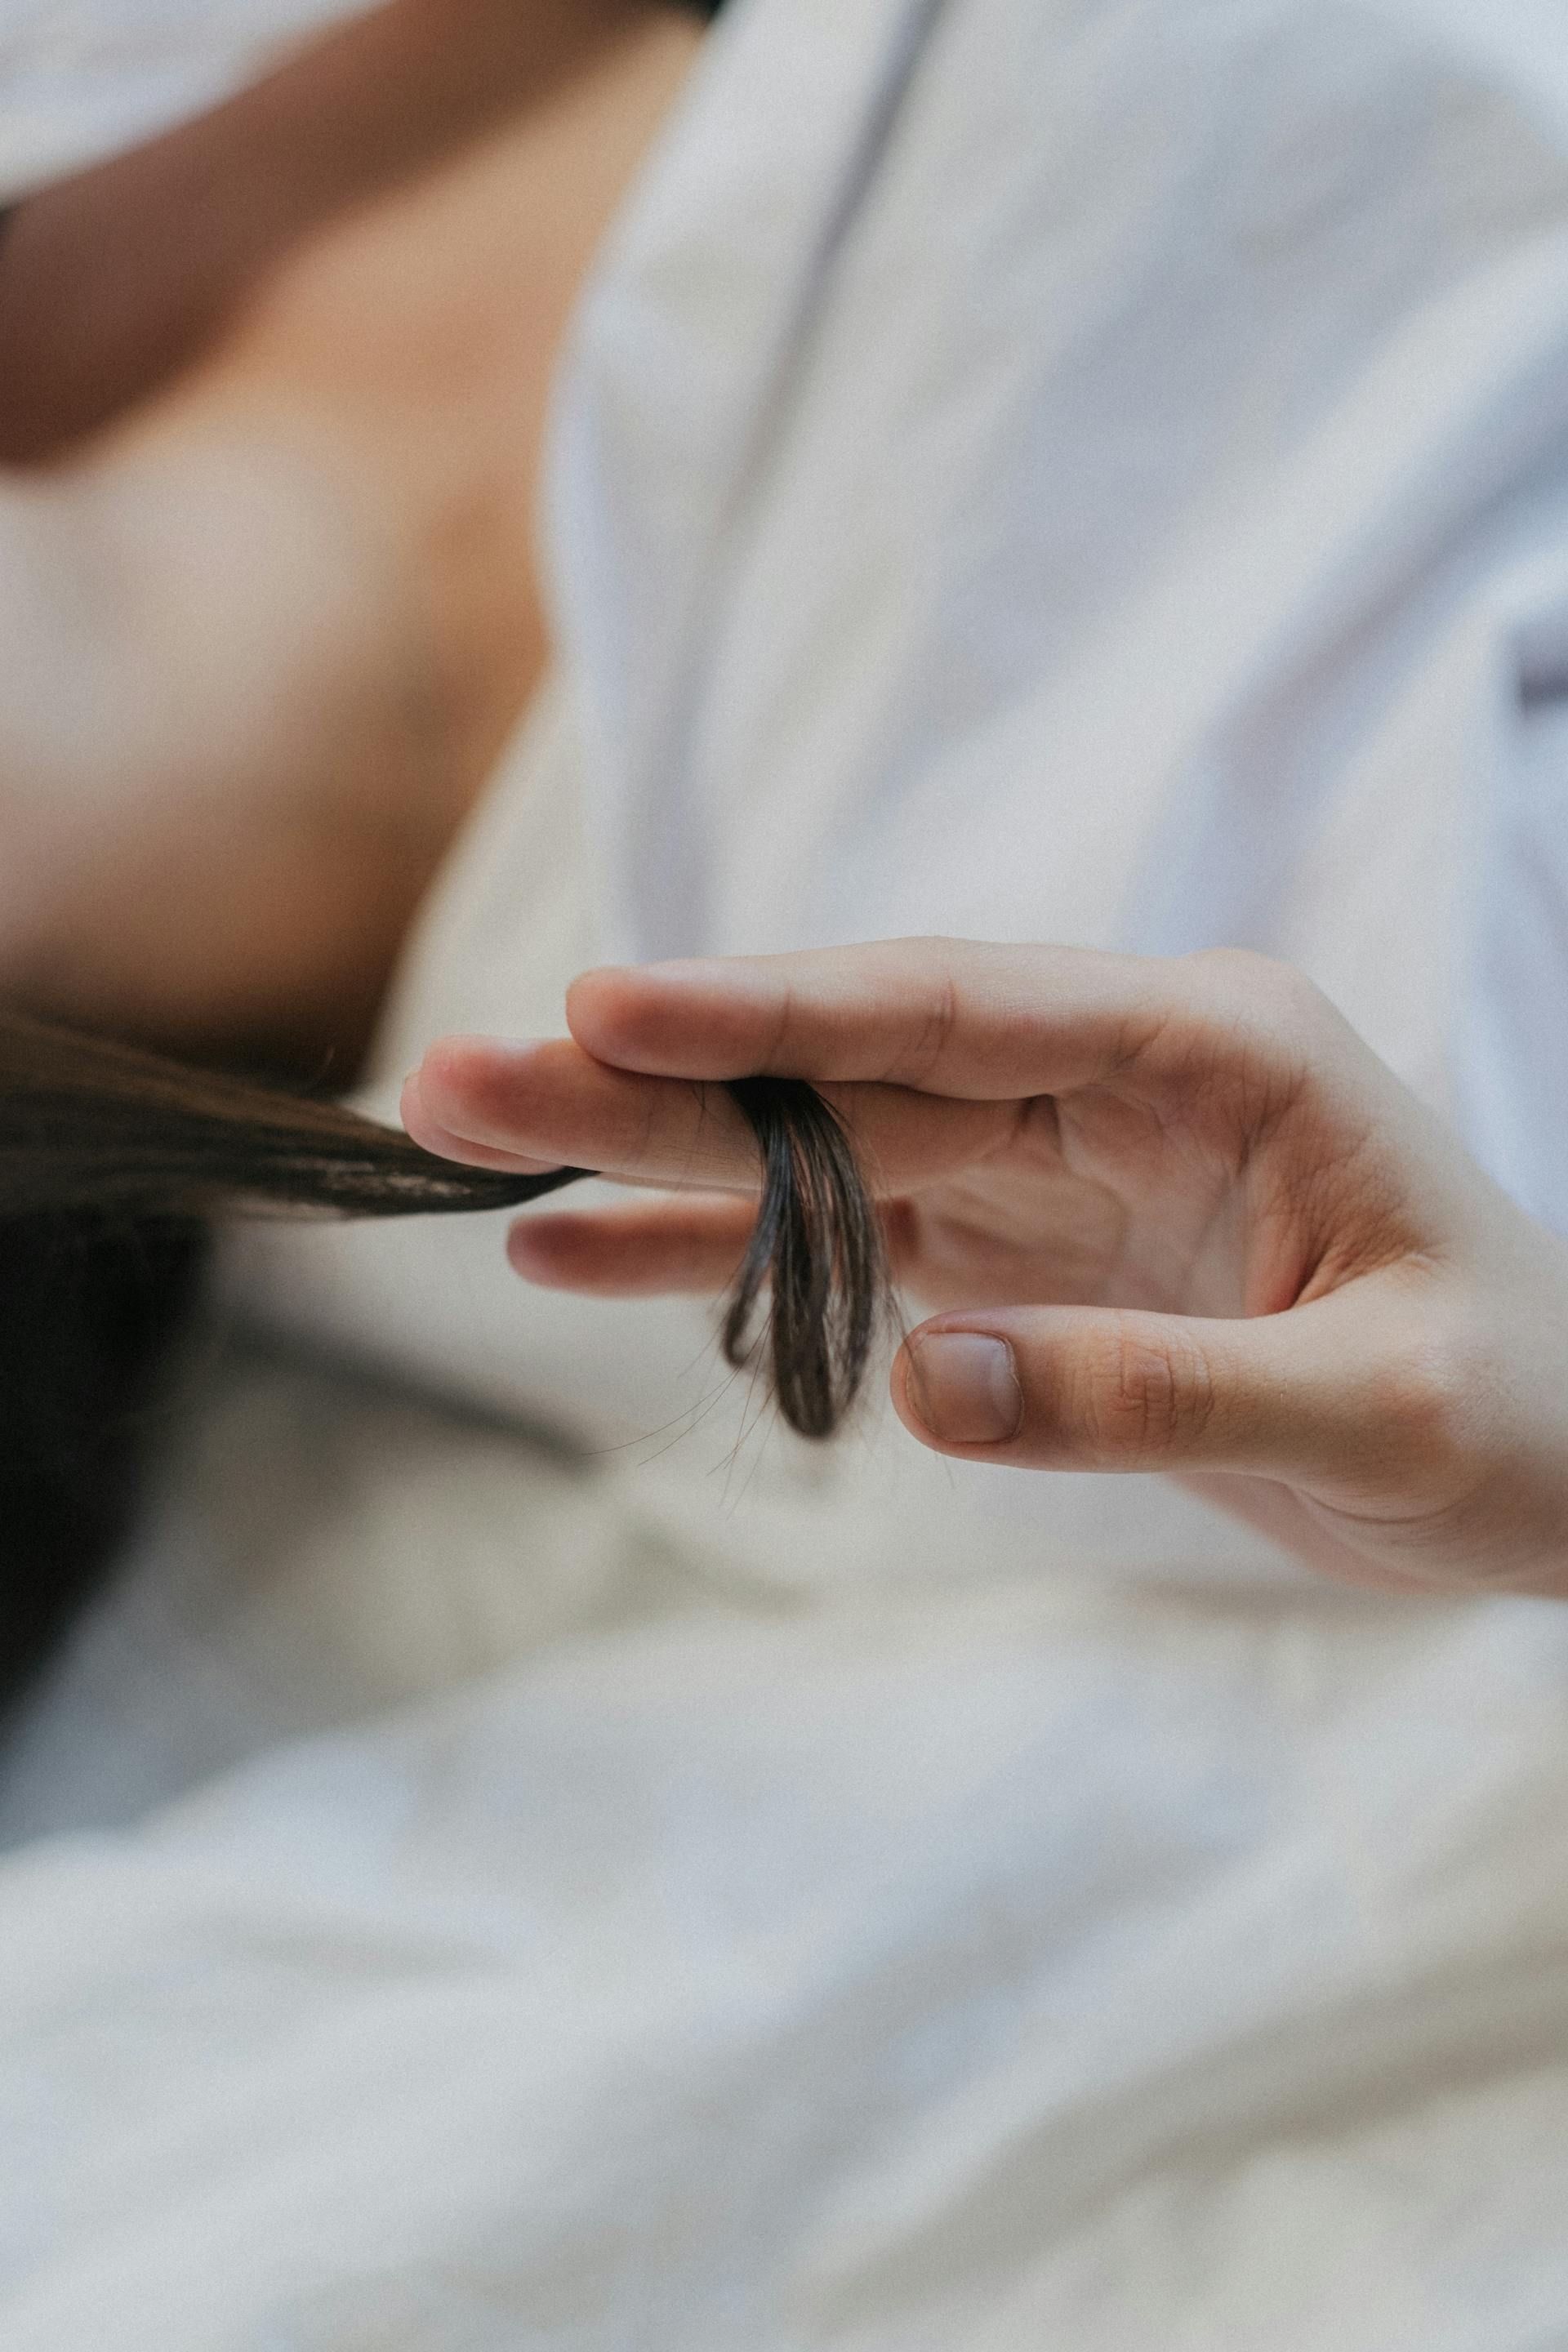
[1173, 1217]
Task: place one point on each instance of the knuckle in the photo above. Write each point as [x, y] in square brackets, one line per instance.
[1430, 1398]
[1271, 1023]
[927, 1034]
[1272, 997]
[1143, 1396]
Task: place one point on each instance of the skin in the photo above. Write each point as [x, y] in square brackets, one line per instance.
[1174, 1215]
[114, 278]
[268, 633]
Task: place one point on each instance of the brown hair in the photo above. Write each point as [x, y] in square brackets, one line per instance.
[112, 1162]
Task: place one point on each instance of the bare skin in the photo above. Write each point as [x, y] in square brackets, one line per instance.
[113, 279]
[268, 633]
[1173, 1217]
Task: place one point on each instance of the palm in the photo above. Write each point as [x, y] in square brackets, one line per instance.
[1103, 1203]
[1062, 1215]
[1145, 1193]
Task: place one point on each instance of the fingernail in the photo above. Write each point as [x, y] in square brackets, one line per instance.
[964, 1387]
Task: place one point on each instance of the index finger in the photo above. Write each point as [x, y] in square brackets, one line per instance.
[548, 1103]
[945, 1016]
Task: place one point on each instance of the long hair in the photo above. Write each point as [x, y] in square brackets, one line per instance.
[113, 1164]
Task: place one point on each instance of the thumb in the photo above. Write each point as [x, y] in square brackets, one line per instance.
[1070, 1388]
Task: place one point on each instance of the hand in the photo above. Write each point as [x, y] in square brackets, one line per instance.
[1176, 1214]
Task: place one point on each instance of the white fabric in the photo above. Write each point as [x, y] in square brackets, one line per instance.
[79, 80]
[1086, 468]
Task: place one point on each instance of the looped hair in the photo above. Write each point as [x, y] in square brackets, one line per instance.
[816, 1248]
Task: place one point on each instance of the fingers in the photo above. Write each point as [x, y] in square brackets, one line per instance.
[431, 1136]
[925, 1047]
[503, 1104]
[549, 1104]
[689, 1243]
[1083, 1389]
[950, 1016]
[1303, 1397]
